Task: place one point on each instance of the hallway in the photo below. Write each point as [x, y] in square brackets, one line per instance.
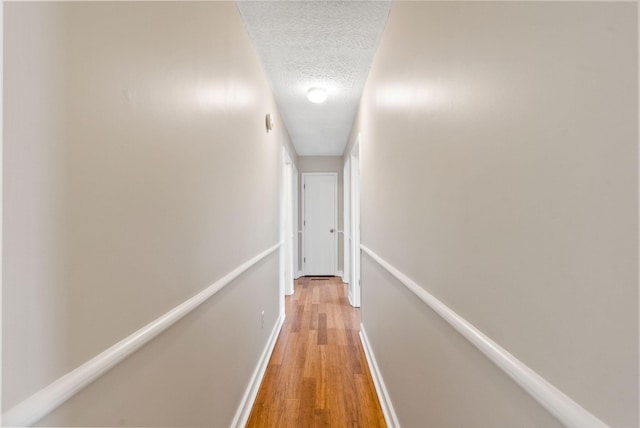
[480, 160]
[318, 374]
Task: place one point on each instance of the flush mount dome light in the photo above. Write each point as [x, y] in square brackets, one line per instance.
[317, 95]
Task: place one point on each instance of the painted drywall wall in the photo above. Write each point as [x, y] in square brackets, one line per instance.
[499, 171]
[137, 172]
[322, 164]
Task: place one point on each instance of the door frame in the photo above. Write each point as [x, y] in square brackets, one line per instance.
[286, 228]
[354, 166]
[335, 219]
[346, 222]
[294, 215]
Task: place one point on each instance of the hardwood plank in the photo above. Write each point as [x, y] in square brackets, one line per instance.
[297, 318]
[322, 329]
[313, 356]
[313, 322]
[264, 401]
[365, 394]
[307, 411]
[318, 375]
[354, 357]
[321, 376]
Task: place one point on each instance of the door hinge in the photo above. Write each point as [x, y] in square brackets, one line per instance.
[304, 186]
[305, 260]
[304, 222]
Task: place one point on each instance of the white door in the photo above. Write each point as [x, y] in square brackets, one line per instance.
[319, 194]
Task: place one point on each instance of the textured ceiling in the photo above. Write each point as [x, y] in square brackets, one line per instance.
[329, 44]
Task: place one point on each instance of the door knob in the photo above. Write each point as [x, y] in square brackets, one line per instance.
[331, 230]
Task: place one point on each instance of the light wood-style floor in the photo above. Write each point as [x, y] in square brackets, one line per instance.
[318, 375]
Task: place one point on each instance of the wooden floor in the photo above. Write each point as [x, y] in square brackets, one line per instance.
[318, 375]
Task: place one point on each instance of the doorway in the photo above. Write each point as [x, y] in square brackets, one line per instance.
[319, 223]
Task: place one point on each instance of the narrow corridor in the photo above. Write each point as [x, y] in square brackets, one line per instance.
[318, 374]
[169, 167]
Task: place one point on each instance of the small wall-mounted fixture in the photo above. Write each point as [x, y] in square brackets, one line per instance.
[317, 95]
[269, 122]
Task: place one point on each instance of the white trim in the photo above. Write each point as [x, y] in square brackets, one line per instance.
[1, 187]
[354, 229]
[346, 222]
[341, 275]
[304, 223]
[389, 413]
[286, 228]
[567, 411]
[300, 251]
[638, 178]
[295, 192]
[244, 409]
[294, 226]
[50, 397]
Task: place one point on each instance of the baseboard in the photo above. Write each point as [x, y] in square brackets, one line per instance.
[383, 395]
[341, 275]
[300, 273]
[249, 397]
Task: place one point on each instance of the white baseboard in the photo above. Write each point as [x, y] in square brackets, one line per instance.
[300, 273]
[340, 274]
[383, 395]
[249, 397]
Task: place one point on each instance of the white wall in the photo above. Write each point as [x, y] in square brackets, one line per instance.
[137, 172]
[499, 172]
[322, 164]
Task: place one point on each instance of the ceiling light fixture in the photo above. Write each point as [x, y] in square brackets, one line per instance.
[317, 95]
